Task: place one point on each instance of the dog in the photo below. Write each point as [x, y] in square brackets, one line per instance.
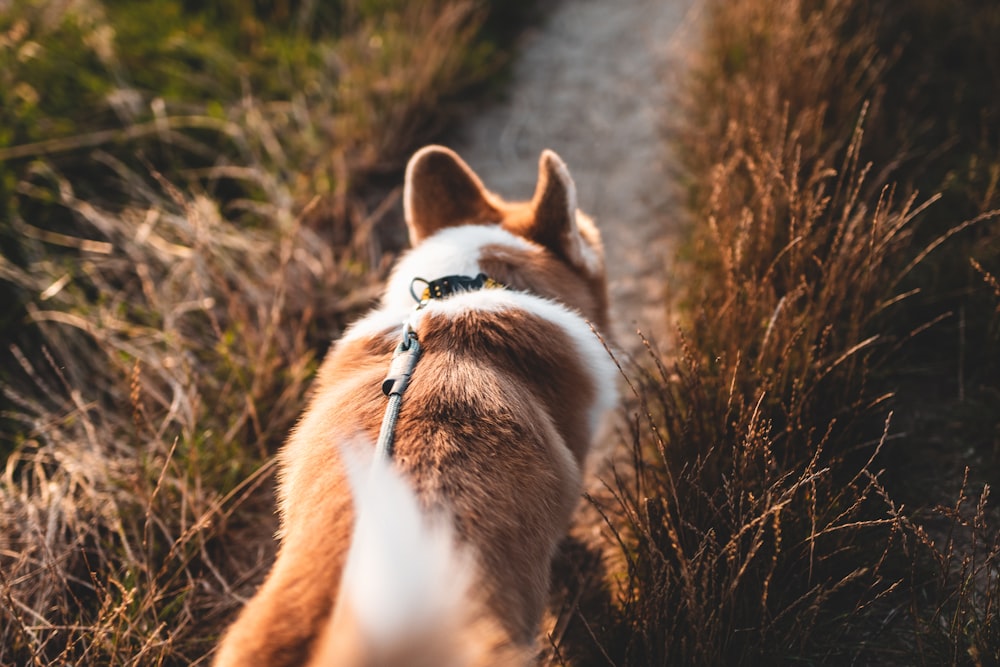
[440, 552]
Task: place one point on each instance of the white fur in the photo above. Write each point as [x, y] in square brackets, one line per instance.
[404, 569]
[451, 251]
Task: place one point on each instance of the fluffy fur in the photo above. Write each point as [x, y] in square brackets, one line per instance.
[444, 558]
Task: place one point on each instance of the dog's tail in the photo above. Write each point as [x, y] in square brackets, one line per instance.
[407, 595]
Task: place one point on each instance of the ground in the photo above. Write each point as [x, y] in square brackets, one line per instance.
[595, 82]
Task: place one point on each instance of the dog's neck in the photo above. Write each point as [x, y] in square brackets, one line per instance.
[451, 252]
[442, 288]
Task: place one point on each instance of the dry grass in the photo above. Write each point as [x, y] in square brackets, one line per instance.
[180, 275]
[118, 498]
[758, 521]
[181, 272]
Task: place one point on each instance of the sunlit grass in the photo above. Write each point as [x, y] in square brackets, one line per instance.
[190, 218]
[181, 243]
[758, 520]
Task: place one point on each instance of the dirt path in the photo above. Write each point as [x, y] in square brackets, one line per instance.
[593, 82]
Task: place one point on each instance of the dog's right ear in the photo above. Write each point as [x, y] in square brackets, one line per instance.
[442, 191]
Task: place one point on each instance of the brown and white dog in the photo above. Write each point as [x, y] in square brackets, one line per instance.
[444, 558]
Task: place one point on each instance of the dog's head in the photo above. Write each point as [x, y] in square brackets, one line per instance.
[544, 246]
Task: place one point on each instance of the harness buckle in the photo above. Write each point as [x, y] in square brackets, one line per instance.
[404, 360]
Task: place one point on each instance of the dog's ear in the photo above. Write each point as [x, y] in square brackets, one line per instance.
[554, 203]
[442, 191]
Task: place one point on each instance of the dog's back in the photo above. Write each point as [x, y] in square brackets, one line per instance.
[493, 432]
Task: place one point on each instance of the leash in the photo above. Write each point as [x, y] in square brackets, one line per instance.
[408, 351]
[404, 360]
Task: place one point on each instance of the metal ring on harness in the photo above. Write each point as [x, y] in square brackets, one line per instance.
[427, 284]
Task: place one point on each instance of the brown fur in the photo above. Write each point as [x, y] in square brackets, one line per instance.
[494, 427]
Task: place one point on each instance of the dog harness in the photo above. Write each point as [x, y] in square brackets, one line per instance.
[407, 353]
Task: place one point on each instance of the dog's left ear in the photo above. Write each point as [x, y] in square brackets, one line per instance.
[442, 191]
[554, 203]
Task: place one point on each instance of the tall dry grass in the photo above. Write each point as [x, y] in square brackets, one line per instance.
[758, 521]
[176, 277]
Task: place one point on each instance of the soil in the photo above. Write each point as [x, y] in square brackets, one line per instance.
[595, 83]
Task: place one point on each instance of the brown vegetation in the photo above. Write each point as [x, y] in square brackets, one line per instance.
[760, 519]
[810, 465]
[175, 263]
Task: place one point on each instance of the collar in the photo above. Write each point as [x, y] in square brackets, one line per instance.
[448, 285]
